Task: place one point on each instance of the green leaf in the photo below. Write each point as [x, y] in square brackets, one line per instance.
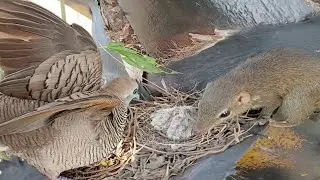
[3, 155]
[138, 60]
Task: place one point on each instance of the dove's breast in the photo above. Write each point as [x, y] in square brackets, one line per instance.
[75, 139]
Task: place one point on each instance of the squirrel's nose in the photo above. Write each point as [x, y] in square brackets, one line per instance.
[198, 129]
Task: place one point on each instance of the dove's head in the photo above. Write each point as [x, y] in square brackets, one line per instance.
[124, 88]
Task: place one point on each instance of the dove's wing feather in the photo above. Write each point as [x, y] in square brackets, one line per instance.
[44, 115]
[44, 58]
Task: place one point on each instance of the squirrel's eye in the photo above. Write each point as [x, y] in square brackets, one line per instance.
[226, 113]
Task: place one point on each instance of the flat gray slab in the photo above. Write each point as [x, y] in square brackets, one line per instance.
[218, 166]
[18, 170]
[303, 161]
[225, 55]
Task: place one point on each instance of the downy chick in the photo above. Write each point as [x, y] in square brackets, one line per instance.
[284, 78]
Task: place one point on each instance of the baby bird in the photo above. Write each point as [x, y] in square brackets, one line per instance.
[54, 110]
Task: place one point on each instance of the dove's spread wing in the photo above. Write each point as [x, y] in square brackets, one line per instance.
[43, 57]
[45, 61]
[43, 115]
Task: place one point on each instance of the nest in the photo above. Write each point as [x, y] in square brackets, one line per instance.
[146, 153]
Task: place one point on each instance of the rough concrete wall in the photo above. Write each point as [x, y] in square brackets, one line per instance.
[248, 13]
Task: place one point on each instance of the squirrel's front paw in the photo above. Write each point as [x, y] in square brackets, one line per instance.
[274, 123]
[262, 120]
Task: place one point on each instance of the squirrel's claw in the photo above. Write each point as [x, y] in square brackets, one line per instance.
[274, 123]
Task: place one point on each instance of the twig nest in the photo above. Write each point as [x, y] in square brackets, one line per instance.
[176, 122]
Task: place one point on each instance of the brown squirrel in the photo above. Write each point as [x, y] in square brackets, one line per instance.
[283, 80]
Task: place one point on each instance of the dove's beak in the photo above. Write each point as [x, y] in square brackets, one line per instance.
[136, 96]
[130, 98]
[144, 93]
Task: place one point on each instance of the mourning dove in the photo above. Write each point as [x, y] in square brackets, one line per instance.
[54, 110]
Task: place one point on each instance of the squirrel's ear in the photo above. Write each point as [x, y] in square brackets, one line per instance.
[244, 98]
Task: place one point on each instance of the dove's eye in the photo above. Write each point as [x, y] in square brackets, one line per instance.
[135, 91]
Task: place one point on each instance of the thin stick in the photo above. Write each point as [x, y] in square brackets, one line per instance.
[63, 9]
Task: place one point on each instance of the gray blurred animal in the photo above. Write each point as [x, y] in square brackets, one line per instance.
[284, 78]
[54, 110]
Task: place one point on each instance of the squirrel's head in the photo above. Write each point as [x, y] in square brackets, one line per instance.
[223, 99]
